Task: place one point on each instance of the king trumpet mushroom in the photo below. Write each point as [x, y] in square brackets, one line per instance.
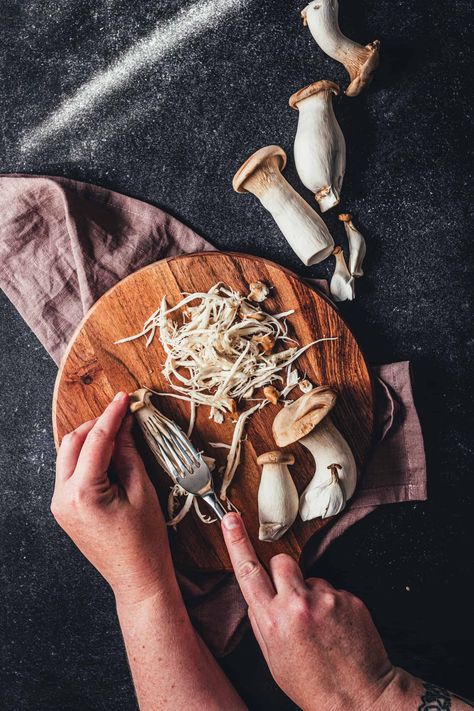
[321, 16]
[307, 420]
[357, 247]
[302, 226]
[278, 499]
[341, 285]
[320, 148]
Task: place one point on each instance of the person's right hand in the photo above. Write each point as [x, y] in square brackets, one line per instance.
[117, 524]
[320, 644]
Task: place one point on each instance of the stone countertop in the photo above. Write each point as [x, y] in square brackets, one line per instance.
[173, 133]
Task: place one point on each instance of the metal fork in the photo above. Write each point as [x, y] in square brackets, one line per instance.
[174, 451]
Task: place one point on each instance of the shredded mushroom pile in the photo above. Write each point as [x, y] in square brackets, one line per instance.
[222, 351]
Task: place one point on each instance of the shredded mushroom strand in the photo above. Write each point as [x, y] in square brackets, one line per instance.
[220, 349]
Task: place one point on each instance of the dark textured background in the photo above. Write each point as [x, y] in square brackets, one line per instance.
[174, 136]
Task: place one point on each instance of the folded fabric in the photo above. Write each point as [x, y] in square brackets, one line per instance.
[64, 243]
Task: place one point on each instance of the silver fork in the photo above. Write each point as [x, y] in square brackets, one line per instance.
[174, 451]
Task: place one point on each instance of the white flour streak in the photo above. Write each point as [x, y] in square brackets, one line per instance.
[166, 36]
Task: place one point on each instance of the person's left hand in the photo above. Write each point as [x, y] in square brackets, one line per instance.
[118, 525]
[320, 644]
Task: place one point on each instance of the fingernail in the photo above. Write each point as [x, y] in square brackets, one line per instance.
[231, 520]
[120, 396]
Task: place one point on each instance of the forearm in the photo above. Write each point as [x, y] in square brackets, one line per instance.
[171, 666]
[407, 692]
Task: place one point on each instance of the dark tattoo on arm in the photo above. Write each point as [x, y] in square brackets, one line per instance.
[437, 699]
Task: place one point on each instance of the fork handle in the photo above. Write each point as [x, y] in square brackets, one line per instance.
[211, 500]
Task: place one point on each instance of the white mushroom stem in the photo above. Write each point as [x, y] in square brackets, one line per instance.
[301, 225]
[321, 16]
[357, 246]
[335, 470]
[319, 148]
[278, 499]
[342, 282]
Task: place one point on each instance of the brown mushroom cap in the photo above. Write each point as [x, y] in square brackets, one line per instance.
[362, 73]
[253, 162]
[345, 217]
[275, 457]
[310, 90]
[301, 417]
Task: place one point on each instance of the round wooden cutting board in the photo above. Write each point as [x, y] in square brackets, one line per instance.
[94, 369]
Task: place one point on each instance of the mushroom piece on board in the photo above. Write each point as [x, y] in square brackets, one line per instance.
[277, 495]
[306, 420]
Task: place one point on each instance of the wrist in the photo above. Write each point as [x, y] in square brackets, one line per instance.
[400, 687]
[138, 588]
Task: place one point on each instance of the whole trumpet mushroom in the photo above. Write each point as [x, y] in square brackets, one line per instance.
[301, 225]
[357, 246]
[277, 495]
[321, 16]
[320, 148]
[307, 421]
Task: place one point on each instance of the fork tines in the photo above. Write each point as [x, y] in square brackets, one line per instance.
[176, 453]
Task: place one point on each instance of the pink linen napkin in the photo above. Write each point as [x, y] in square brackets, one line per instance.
[64, 243]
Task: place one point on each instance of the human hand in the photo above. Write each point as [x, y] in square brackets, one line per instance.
[118, 525]
[320, 644]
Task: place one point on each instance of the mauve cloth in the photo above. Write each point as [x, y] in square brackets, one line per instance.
[64, 243]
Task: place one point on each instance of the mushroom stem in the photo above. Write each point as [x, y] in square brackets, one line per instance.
[327, 445]
[357, 246]
[277, 496]
[321, 16]
[301, 225]
[319, 148]
[306, 420]
[341, 285]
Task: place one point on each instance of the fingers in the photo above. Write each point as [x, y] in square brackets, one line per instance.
[70, 449]
[94, 458]
[286, 574]
[319, 585]
[126, 461]
[253, 580]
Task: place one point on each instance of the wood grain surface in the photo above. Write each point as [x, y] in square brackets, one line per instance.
[94, 369]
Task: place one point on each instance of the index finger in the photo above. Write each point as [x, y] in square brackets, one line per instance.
[96, 453]
[253, 580]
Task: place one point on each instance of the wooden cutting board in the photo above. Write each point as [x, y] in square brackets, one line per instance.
[94, 369]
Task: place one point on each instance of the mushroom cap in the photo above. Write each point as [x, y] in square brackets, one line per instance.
[275, 457]
[301, 417]
[310, 90]
[362, 75]
[345, 217]
[252, 163]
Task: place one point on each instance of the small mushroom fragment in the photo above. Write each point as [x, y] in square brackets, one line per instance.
[321, 16]
[357, 246]
[320, 148]
[341, 285]
[271, 393]
[305, 385]
[258, 291]
[307, 421]
[248, 311]
[266, 342]
[301, 225]
[326, 498]
[277, 496]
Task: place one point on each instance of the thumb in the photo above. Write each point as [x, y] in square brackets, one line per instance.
[126, 460]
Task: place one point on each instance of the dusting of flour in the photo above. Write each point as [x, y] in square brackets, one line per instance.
[188, 22]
